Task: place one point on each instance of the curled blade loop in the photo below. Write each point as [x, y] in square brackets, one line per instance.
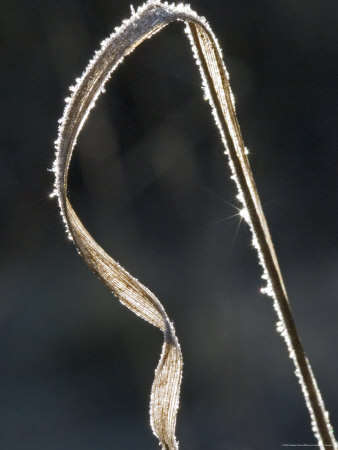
[147, 20]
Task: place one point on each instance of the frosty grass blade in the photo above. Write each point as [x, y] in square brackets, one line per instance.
[147, 20]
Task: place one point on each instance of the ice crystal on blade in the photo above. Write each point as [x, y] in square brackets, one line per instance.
[144, 22]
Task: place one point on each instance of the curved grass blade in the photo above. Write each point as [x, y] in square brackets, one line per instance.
[147, 20]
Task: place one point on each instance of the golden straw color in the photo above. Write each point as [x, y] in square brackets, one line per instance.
[150, 18]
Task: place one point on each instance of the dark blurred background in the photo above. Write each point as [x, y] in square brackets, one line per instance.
[150, 181]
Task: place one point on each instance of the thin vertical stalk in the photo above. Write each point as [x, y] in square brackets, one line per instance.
[261, 236]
